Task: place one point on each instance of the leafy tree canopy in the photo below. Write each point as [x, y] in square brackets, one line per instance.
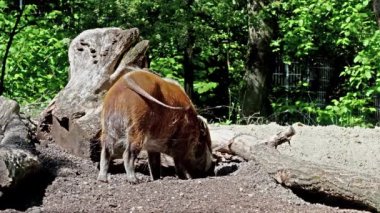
[344, 32]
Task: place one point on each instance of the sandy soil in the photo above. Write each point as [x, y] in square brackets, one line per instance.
[74, 188]
[357, 149]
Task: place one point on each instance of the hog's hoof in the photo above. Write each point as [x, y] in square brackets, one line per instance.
[133, 180]
[102, 178]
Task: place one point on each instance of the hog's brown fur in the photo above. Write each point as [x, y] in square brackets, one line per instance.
[132, 121]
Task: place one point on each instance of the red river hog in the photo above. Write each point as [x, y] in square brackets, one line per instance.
[145, 111]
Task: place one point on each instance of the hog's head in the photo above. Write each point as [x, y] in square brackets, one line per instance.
[203, 164]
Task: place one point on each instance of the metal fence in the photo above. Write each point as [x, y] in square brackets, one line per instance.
[316, 73]
[317, 76]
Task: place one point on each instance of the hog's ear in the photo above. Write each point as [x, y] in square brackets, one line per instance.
[203, 125]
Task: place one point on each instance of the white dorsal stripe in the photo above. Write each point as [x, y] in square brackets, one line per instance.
[136, 88]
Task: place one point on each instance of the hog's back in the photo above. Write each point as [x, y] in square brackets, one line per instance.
[127, 114]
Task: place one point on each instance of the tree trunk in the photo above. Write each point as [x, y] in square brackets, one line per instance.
[98, 57]
[328, 183]
[259, 63]
[376, 10]
[188, 66]
[219, 103]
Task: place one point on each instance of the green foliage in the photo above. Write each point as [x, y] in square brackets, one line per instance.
[337, 30]
[342, 31]
[37, 64]
[301, 111]
[220, 39]
[330, 26]
[295, 107]
[202, 87]
[169, 66]
[347, 111]
[363, 84]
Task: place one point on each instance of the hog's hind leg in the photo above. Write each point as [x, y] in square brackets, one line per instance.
[105, 157]
[154, 160]
[129, 157]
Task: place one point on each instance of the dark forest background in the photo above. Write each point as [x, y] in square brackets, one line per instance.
[250, 61]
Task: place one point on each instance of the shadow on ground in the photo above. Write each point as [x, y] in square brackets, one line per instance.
[31, 191]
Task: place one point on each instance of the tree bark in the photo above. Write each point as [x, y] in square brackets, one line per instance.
[188, 65]
[18, 158]
[327, 182]
[376, 10]
[259, 62]
[98, 57]
[188, 68]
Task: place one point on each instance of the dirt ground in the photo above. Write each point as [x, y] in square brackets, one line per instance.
[73, 186]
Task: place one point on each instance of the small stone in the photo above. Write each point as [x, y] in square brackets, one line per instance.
[112, 205]
[35, 210]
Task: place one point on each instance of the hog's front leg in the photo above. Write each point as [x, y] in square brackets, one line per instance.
[180, 169]
[154, 160]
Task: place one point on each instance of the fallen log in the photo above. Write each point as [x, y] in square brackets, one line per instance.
[18, 158]
[328, 183]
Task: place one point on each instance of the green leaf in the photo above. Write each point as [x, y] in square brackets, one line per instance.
[368, 74]
[202, 87]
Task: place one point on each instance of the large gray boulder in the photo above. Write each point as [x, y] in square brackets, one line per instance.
[17, 156]
[97, 59]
